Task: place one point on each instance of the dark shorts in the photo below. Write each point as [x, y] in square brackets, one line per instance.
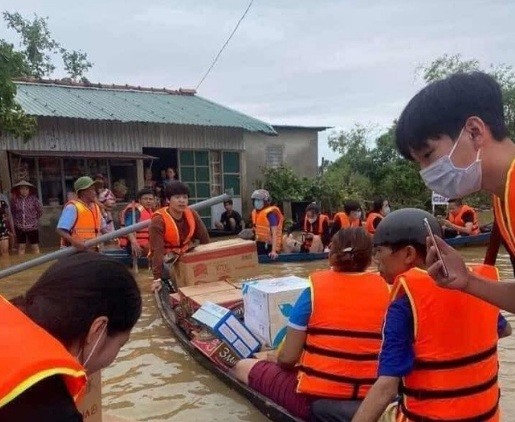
[280, 386]
[24, 236]
[263, 248]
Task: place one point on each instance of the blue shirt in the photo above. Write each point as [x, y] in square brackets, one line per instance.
[397, 354]
[273, 219]
[128, 217]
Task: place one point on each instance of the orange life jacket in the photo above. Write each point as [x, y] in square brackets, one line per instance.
[319, 228]
[262, 226]
[458, 218]
[141, 235]
[455, 372]
[28, 354]
[369, 224]
[172, 237]
[88, 222]
[344, 334]
[504, 210]
[345, 221]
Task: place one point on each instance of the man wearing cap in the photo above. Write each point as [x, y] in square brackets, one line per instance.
[81, 218]
[437, 354]
[26, 210]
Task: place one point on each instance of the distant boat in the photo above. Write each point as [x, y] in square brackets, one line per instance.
[480, 239]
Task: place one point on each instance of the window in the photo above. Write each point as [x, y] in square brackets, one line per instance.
[194, 171]
[231, 171]
[274, 156]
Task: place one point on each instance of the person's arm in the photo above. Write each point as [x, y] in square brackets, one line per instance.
[65, 225]
[239, 220]
[382, 393]
[39, 208]
[468, 218]
[396, 360]
[500, 294]
[376, 222]
[157, 245]
[293, 345]
[201, 232]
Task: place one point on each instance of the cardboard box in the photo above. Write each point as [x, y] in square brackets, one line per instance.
[218, 352]
[228, 260]
[268, 304]
[91, 404]
[225, 326]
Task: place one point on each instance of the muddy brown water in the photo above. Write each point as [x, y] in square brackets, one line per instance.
[153, 379]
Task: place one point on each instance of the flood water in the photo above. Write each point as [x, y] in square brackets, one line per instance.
[154, 380]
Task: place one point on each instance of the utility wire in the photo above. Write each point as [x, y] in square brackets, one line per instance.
[225, 45]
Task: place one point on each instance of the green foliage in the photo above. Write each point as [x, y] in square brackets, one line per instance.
[503, 74]
[282, 183]
[75, 63]
[37, 42]
[12, 118]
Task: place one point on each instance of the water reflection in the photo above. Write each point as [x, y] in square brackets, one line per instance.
[155, 380]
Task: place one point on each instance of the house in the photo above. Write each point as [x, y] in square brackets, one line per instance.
[295, 146]
[120, 131]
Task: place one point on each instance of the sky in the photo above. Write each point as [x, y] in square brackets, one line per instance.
[297, 62]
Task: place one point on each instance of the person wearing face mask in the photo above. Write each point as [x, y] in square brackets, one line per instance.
[71, 323]
[380, 209]
[315, 228]
[461, 220]
[351, 217]
[267, 223]
[455, 130]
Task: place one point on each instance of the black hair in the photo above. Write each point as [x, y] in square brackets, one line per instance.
[228, 201]
[443, 107]
[144, 191]
[313, 207]
[351, 205]
[76, 290]
[377, 205]
[351, 250]
[176, 188]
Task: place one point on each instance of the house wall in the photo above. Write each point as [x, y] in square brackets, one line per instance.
[61, 134]
[300, 151]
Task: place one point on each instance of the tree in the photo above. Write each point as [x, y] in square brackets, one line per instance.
[75, 63]
[446, 65]
[39, 47]
[37, 42]
[13, 120]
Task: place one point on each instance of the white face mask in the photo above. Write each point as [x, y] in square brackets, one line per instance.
[445, 178]
[93, 348]
[386, 210]
[259, 204]
[312, 220]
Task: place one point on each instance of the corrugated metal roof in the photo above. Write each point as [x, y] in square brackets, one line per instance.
[129, 105]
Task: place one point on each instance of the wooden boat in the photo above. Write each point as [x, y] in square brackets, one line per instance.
[271, 410]
[221, 233]
[122, 256]
[293, 257]
[480, 239]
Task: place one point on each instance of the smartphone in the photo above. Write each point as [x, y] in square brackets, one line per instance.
[438, 253]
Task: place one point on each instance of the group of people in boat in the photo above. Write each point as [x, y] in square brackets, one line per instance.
[360, 346]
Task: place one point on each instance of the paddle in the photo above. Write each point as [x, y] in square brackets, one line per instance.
[43, 259]
[134, 256]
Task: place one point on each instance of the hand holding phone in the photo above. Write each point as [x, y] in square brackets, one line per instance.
[445, 272]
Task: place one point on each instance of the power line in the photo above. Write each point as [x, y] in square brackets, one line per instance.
[225, 45]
